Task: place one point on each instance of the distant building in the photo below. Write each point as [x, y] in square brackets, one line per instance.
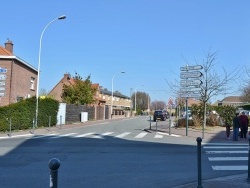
[232, 101]
[17, 77]
[121, 102]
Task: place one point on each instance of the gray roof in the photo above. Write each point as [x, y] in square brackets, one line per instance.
[115, 94]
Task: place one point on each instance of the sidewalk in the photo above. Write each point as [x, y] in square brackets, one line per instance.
[211, 135]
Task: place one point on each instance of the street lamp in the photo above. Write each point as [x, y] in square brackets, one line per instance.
[113, 91]
[38, 68]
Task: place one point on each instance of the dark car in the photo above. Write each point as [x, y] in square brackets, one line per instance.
[161, 114]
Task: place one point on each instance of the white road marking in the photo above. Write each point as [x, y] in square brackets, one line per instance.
[220, 152]
[223, 147]
[102, 135]
[141, 135]
[227, 158]
[84, 135]
[63, 135]
[42, 136]
[123, 135]
[167, 134]
[240, 167]
[158, 136]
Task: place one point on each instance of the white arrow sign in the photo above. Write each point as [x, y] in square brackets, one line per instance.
[190, 95]
[193, 74]
[190, 89]
[190, 83]
[196, 67]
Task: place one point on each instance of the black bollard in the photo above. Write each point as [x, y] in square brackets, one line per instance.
[54, 164]
[248, 174]
[199, 140]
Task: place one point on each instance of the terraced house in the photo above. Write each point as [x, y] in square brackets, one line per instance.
[18, 79]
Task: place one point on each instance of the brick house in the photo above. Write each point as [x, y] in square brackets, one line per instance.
[121, 103]
[17, 77]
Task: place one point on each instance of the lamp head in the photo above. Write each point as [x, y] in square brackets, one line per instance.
[61, 17]
[123, 72]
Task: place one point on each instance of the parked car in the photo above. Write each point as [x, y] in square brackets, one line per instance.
[161, 114]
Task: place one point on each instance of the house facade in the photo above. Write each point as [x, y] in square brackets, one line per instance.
[232, 101]
[121, 103]
[17, 77]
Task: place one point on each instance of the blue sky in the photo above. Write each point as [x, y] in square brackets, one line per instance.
[148, 39]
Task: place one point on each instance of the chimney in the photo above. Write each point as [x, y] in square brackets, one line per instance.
[9, 46]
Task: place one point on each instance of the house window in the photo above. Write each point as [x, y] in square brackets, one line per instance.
[18, 99]
[32, 83]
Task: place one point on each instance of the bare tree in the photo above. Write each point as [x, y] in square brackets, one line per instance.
[213, 83]
[246, 87]
[158, 105]
[142, 100]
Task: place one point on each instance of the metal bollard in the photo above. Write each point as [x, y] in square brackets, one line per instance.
[149, 122]
[169, 126]
[49, 122]
[248, 177]
[156, 125]
[54, 164]
[33, 126]
[199, 140]
[10, 128]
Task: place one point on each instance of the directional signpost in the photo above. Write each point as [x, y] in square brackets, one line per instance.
[188, 68]
[191, 85]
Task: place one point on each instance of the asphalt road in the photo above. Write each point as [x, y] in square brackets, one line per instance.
[114, 154]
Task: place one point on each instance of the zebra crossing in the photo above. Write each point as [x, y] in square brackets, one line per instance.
[227, 157]
[96, 135]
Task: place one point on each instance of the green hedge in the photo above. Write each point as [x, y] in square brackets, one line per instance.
[22, 114]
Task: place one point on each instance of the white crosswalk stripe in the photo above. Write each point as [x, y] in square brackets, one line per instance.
[234, 156]
[158, 136]
[84, 135]
[141, 135]
[101, 136]
[123, 135]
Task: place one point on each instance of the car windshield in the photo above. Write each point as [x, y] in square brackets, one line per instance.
[158, 112]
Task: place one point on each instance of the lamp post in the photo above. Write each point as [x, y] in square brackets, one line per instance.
[38, 68]
[113, 91]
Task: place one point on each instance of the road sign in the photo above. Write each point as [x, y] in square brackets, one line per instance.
[190, 95]
[187, 68]
[2, 77]
[192, 74]
[190, 89]
[191, 82]
[2, 70]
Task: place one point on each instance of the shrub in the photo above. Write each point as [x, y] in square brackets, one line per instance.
[21, 115]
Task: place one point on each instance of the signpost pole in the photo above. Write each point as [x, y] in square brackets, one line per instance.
[186, 116]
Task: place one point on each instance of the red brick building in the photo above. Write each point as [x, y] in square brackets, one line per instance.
[17, 77]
